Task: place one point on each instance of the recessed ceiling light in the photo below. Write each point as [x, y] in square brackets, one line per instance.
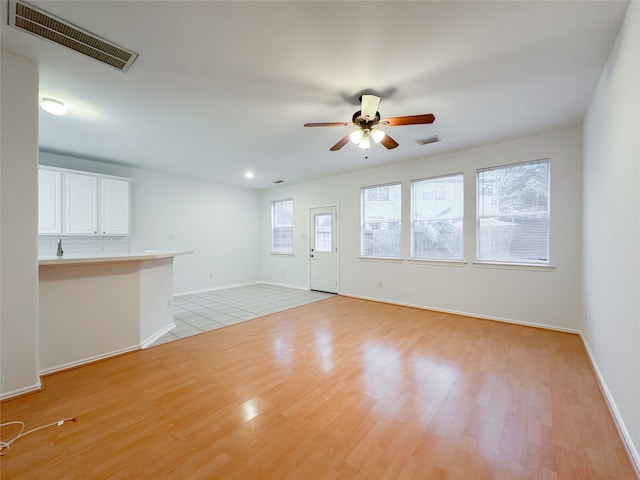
[53, 106]
[249, 174]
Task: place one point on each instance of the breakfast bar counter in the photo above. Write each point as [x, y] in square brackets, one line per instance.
[93, 307]
[116, 258]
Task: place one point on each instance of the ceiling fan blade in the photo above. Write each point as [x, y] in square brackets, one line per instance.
[328, 124]
[369, 106]
[343, 141]
[408, 120]
[388, 142]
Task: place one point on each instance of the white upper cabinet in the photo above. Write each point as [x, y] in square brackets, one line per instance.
[81, 204]
[71, 202]
[49, 201]
[115, 206]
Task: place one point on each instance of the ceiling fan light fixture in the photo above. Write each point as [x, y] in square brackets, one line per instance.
[364, 143]
[377, 135]
[356, 136]
[369, 117]
[53, 106]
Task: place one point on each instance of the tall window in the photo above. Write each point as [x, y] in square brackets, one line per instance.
[381, 221]
[436, 217]
[282, 226]
[513, 213]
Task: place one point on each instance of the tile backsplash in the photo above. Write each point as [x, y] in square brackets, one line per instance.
[79, 245]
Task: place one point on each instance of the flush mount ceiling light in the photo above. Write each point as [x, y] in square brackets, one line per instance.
[248, 174]
[53, 106]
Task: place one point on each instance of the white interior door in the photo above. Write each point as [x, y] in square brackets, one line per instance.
[324, 250]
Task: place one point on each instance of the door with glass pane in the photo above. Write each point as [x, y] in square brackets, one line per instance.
[323, 249]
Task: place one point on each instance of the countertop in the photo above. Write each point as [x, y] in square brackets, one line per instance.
[118, 258]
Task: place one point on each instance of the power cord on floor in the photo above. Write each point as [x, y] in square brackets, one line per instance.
[6, 446]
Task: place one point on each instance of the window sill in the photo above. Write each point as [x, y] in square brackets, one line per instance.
[281, 254]
[515, 266]
[442, 263]
[381, 259]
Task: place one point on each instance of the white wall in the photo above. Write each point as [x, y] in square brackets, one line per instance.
[535, 297]
[611, 260]
[87, 312]
[18, 225]
[156, 305]
[219, 223]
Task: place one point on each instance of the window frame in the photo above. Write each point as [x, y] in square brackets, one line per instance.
[525, 264]
[413, 220]
[275, 251]
[363, 192]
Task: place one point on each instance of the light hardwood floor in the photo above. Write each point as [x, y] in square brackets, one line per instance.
[342, 388]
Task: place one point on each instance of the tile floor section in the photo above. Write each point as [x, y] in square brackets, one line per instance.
[200, 312]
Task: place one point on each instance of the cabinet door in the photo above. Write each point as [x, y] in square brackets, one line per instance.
[115, 206]
[81, 204]
[49, 218]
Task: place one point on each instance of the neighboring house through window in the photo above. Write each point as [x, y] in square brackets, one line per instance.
[513, 213]
[437, 211]
[381, 224]
[282, 226]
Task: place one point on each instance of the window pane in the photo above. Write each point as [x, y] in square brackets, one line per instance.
[322, 229]
[513, 213]
[437, 217]
[381, 221]
[282, 226]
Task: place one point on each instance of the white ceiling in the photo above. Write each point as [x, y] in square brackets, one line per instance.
[224, 87]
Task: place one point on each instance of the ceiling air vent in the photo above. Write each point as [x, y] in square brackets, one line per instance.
[426, 141]
[44, 25]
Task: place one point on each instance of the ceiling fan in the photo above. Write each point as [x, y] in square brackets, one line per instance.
[367, 119]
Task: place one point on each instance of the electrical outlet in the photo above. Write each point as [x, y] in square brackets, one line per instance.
[1, 380]
[380, 284]
[168, 303]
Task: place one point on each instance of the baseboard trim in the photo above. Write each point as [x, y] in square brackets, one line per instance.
[235, 285]
[613, 409]
[467, 314]
[146, 343]
[22, 391]
[85, 361]
[213, 289]
[276, 284]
